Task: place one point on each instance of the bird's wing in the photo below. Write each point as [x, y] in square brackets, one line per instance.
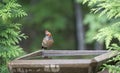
[50, 43]
[44, 42]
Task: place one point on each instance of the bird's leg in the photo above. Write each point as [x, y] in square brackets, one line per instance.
[43, 48]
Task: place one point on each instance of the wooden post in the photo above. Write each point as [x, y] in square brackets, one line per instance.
[79, 26]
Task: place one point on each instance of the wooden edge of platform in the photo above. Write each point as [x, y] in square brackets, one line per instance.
[105, 56]
[62, 53]
[41, 63]
[36, 53]
[72, 52]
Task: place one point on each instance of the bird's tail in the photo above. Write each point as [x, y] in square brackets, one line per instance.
[42, 47]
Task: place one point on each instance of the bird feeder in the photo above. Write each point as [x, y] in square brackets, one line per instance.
[61, 61]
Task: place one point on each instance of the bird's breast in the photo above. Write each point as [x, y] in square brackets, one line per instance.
[47, 42]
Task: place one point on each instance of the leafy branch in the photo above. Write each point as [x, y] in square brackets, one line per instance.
[10, 33]
[111, 9]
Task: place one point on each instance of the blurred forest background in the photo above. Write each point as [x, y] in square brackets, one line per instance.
[58, 16]
[72, 25]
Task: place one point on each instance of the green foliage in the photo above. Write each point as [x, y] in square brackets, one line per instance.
[94, 22]
[110, 8]
[114, 47]
[10, 33]
[113, 68]
[4, 69]
[11, 9]
[50, 15]
[108, 33]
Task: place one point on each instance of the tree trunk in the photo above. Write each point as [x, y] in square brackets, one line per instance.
[98, 46]
[79, 27]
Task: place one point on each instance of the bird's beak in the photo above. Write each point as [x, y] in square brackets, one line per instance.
[49, 34]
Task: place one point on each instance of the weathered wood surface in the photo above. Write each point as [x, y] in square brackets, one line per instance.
[41, 63]
[36, 53]
[72, 52]
[25, 65]
[51, 70]
[63, 53]
[106, 56]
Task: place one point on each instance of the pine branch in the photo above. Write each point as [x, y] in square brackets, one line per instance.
[10, 33]
[108, 33]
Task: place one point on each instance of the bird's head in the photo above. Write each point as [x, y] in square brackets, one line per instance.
[47, 33]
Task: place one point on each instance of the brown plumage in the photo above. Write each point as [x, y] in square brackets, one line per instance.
[47, 40]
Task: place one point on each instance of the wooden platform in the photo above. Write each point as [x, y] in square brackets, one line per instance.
[29, 64]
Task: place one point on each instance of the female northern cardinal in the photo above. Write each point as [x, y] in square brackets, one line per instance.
[47, 40]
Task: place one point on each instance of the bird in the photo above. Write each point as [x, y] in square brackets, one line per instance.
[47, 40]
